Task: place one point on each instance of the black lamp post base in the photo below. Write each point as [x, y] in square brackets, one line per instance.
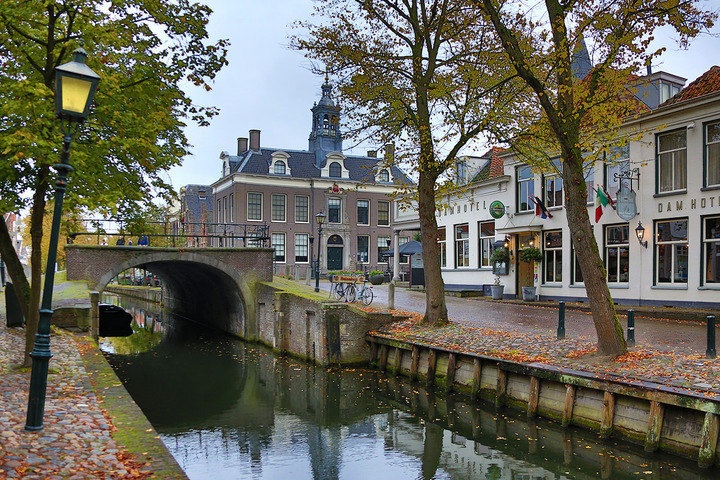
[38, 382]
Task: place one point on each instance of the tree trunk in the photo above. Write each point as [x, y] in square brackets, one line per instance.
[607, 325]
[15, 269]
[435, 308]
[36, 233]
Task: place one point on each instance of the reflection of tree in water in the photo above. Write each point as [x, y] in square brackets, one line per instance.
[494, 472]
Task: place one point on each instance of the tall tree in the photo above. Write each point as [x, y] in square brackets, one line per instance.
[424, 73]
[146, 52]
[575, 110]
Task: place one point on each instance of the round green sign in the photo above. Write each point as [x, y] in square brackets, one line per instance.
[497, 209]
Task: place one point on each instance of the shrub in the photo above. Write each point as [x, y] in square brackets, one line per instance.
[530, 255]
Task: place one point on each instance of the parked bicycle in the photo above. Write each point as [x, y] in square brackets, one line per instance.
[365, 294]
[344, 291]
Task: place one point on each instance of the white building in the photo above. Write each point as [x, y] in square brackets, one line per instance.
[677, 157]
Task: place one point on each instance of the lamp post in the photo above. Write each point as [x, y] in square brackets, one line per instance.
[320, 219]
[312, 258]
[75, 86]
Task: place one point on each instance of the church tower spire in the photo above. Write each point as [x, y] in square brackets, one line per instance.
[325, 135]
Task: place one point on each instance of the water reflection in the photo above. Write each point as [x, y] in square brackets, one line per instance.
[229, 410]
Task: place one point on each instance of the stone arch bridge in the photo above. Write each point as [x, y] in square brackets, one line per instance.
[213, 285]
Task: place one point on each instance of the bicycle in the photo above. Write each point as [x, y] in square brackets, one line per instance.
[344, 291]
[365, 294]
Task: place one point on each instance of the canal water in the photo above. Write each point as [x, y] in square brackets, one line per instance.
[227, 409]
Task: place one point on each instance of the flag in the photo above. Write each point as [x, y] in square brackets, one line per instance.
[612, 202]
[540, 209]
[602, 201]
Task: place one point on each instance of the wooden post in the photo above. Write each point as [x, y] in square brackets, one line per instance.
[477, 376]
[501, 387]
[711, 426]
[652, 439]
[569, 404]
[432, 362]
[373, 353]
[415, 362]
[608, 415]
[382, 362]
[398, 360]
[450, 373]
[534, 396]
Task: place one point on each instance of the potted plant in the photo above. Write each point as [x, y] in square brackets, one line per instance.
[530, 255]
[497, 289]
[376, 277]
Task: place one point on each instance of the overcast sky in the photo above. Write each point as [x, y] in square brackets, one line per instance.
[270, 87]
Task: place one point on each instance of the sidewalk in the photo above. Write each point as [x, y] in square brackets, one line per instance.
[80, 438]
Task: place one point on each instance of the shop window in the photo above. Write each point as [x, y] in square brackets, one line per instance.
[334, 205]
[553, 254]
[617, 253]
[363, 212]
[443, 247]
[462, 246]
[712, 155]
[363, 246]
[301, 248]
[278, 243]
[525, 189]
[711, 250]
[277, 208]
[254, 206]
[671, 252]
[486, 238]
[672, 161]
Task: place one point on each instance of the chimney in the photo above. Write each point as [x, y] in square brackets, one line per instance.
[242, 145]
[649, 69]
[255, 140]
[372, 153]
[390, 153]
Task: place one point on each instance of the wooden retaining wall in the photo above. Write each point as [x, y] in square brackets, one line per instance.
[657, 416]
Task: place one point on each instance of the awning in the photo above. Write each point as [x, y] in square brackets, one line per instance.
[408, 248]
[518, 229]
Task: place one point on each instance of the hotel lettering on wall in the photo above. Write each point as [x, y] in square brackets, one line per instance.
[692, 204]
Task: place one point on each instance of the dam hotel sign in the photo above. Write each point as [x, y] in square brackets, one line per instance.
[654, 203]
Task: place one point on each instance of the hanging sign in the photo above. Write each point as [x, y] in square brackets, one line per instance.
[626, 203]
[497, 209]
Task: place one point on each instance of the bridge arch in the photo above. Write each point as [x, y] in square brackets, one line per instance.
[212, 285]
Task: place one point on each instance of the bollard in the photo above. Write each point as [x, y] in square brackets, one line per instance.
[561, 321]
[391, 294]
[710, 352]
[631, 328]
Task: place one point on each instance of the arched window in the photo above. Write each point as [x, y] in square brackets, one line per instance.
[279, 167]
[384, 175]
[335, 170]
[326, 124]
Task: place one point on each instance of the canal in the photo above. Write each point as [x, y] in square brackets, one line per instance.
[227, 409]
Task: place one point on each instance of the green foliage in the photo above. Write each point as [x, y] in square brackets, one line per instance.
[376, 272]
[530, 255]
[500, 254]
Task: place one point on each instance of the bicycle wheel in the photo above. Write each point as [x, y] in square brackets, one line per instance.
[367, 296]
[338, 291]
[350, 292]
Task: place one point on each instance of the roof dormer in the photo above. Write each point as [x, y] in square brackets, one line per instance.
[279, 165]
[335, 166]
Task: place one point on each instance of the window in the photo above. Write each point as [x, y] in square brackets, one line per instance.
[334, 210]
[576, 271]
[525, 189]
[301, 208]
[335, 170]
[667, 91]
[553, 186]
[225, 209]
[711, 250]
[672, 161]
[671, 251]
[617, 161]
[279, 167]
[382, 246]
[443, 246]
[617, 253]
[363, 212]
[384, 175]
[254, 206]
[589, 174]
[277, 207]
[201, 195]
[383, 213]
[462, 246]
[231, 214]
[553, 256]
[363, 253]
[461, 167]
[301, 248]
[278, 243]
[486, 232]
[404, 259]
[712, 155]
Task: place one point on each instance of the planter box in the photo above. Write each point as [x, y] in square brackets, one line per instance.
[497, 291]
[528, 294]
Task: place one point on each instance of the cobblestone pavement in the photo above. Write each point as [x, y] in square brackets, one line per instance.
[75, 442]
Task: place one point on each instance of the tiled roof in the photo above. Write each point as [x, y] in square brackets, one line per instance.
[708, 82]
[302, 165]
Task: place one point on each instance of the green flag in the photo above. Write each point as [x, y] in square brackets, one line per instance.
[602, 198]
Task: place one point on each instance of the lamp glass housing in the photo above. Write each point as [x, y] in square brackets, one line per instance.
[640, 232]
[320, 218]
[75, 86]
[74, 93]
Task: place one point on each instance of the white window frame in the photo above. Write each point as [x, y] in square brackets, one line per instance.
[673, 155]
[518, 185]
[379, 203]
[706, 242]
[340, 215]
[485, 243]
[716, 144]
[608, 247]
[247, 206]
[358, 211]
[273, 236]
[298, 236]
[443, 246]
[382, 246]
[367, 251]
[552, 252]
[462, 246]
[307, 209]
[674, 244]
[273, 197]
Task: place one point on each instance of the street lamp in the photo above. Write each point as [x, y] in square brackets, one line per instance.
[312, 256]
[320, 219]
[75, 86]
[640, 232]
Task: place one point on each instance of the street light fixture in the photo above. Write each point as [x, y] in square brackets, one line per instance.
[75, 86]
[640, 232]
[320, 219]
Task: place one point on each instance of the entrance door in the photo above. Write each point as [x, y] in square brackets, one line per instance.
[525, 271]
[334, 258]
